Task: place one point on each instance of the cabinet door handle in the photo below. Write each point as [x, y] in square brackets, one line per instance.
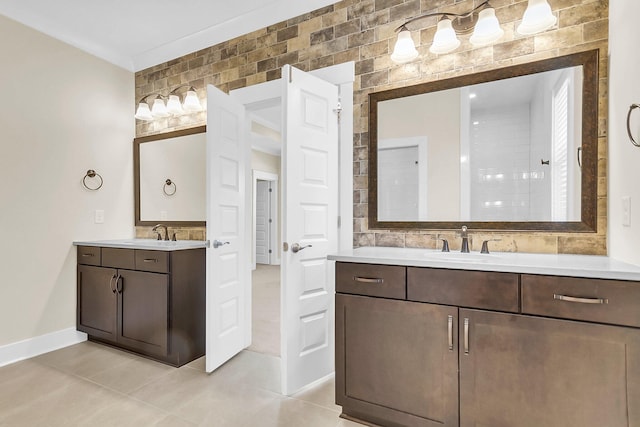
[111, 285]
[367, 279]
[581, 300]
[150, 260]
[450, 331]
[119, 284]
[466, 335]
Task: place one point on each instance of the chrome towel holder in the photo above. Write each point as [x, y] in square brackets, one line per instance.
[167, 185]
[631, 138]
[92, 174]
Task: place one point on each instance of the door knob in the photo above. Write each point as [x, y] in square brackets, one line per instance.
[295, 248]
[218, 243]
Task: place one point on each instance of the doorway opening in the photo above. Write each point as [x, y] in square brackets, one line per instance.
[320, 216]
[265, 278]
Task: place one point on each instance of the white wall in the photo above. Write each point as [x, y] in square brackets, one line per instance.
[63, 112]
[624, 159]
[435, 115]
[183, 161]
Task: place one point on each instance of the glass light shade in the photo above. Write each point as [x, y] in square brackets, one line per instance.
[159, 109]
[191, 102]
[487, 29]
[405, 49]
[173, 105]
[445, 39]
[538, 17]
[143, 112]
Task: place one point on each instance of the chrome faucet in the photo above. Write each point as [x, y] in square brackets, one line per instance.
[465, 240]
[166, 231]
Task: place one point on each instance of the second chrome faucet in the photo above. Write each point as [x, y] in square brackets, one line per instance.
[465, 240]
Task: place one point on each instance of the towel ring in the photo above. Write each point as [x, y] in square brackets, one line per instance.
[631, 108]
[167, 184]
[92, 174]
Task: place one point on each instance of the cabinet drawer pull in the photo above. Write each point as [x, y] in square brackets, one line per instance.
[367, 279]
[466, 335]
[150, 260]
[86, 255]
[581, 300]
[119, 286]
[450, 331]
[111, 285]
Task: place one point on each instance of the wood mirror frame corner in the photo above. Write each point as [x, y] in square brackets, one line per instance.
[589, 60]
[136, 175]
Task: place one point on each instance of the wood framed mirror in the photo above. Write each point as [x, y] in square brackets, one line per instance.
[508, 149]
[170, 178]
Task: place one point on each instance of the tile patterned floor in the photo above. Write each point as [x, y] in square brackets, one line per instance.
[265, 309]
[93, 385]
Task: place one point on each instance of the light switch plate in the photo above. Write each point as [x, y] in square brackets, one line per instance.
[99, 216]
[626, 211]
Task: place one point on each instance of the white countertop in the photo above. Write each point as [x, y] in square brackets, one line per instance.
[147, 244]
[591, 266]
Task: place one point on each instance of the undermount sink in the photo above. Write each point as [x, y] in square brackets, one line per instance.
[462, 256]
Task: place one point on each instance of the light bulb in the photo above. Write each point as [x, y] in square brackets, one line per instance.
[538, 17]
[159, 109]
[405, 49]
[487, 29]
[173, 105]
[191, 102]
[445, 39]
[143, 112]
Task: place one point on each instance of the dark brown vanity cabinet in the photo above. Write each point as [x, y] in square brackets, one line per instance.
[524, 371]
[150, 302]
[453, 355]
[397, 362]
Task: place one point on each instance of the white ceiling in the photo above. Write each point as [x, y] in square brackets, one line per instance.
[137, 34]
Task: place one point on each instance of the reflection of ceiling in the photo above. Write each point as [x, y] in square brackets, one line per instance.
[265, 129]
[137, 34]
[514, 91]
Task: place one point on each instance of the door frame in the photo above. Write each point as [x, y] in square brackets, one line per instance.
[343, 76]
[264, 94]
[274, 230]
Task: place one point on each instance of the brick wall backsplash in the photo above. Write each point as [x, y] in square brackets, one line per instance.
[363, 31]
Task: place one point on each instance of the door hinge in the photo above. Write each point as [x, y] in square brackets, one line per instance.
[270, 251]
[270, 220]
[271, 190]
[339, 221]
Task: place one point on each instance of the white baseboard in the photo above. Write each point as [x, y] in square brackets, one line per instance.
[35, 346]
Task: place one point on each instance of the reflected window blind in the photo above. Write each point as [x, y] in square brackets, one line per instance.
[559, 171]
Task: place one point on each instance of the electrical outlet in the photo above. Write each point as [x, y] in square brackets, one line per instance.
[626, 211]
[99, 216]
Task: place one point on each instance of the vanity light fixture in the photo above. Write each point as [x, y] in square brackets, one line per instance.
[173, 107]
[481, 22]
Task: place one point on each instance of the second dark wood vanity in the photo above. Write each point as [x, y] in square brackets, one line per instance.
[151, 302]
[421, 347]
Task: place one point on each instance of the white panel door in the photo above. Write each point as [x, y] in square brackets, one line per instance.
[310, 222]
[228, 256]
[263, 208]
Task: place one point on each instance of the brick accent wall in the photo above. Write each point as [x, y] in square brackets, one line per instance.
[363, 31]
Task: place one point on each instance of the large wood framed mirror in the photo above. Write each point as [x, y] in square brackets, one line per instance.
[509, 149]
[170, 178]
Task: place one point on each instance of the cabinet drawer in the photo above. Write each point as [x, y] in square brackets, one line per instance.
[387, 281]
[155, 261]
[118, 258]
[594, 300]
[474, 289]
[89, 255]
